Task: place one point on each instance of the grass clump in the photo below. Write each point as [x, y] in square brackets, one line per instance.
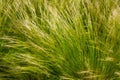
[59, 40]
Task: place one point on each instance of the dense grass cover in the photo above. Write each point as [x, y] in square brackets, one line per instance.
[59, 39]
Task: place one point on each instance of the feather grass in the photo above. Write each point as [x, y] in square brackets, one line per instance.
[59, 39]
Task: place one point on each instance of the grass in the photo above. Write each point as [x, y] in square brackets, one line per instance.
[59, 40]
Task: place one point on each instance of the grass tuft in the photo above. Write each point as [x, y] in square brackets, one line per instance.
[59, 40]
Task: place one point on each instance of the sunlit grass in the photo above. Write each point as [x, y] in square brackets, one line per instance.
[59, 40]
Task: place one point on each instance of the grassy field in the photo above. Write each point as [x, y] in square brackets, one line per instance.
[59, 39]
